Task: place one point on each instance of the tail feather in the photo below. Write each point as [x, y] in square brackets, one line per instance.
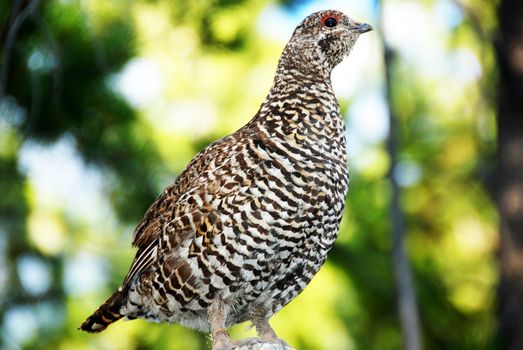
[106, 314]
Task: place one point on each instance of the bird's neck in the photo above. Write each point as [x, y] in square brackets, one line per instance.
[294, 78]
[295, 88]
[296, 67]
[299, 100]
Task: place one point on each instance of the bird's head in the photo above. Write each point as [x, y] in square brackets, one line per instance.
[322, 41]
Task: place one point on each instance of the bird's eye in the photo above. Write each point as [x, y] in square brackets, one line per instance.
[330, 22]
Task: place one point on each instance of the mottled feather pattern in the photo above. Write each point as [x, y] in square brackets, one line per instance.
[251, 219]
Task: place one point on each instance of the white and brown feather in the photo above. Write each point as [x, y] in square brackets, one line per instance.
[252, 217]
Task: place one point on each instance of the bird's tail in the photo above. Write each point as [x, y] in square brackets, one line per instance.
[106, 314]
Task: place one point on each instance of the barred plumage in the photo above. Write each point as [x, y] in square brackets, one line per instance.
[251, 219]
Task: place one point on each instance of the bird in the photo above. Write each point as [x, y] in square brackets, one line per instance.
[248, 223]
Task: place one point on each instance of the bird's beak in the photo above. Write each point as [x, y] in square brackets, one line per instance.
[362, 28]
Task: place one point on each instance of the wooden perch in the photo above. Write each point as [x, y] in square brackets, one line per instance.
[260, 345]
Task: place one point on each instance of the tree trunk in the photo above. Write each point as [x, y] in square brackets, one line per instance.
[509, 187]
[405, 289]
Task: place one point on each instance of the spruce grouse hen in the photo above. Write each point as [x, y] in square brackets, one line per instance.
[249, 222]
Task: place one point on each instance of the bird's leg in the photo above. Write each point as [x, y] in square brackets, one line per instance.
[263, 328]
[259, 319]
[217, 314]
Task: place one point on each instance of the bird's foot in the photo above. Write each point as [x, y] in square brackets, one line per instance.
[267, 335]
[282, 343]
[246, 342]
[270, 337]
[221, 340]
[260, 344]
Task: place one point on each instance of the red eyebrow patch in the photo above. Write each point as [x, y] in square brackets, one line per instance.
[329, 15]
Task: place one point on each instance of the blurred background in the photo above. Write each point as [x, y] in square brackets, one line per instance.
[103, 103]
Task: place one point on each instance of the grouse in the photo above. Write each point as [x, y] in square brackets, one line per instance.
[248, 223]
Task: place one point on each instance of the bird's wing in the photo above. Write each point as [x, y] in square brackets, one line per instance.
[150, 226]
[203, 176]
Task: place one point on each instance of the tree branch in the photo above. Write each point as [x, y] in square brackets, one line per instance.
[11, 37]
